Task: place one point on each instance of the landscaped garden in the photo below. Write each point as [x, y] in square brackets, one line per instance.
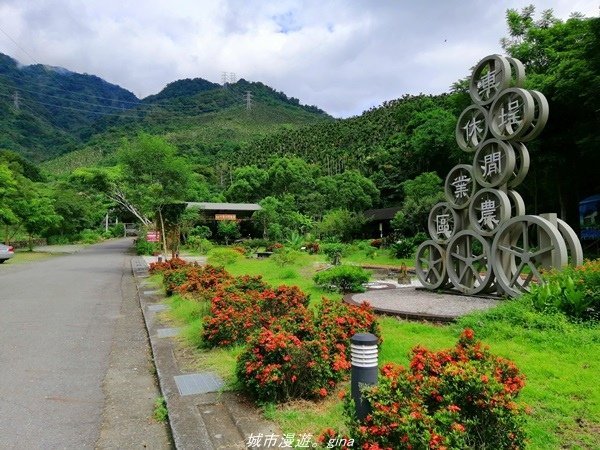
[270, 330]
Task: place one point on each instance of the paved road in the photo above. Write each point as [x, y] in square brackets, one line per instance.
[57, 319]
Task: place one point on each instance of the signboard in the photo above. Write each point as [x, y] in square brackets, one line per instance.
[152, 236]
[225, 217]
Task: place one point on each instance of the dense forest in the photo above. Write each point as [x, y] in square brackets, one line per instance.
[200, 141]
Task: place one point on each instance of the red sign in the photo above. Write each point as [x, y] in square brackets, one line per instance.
[152, 236]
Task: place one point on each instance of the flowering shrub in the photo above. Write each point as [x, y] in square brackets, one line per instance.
[303, 357]
[239, 249]
[204, 278]
[231, 318]
[171, 264]
[572, 291]
[463, 397]
[248, 283]
[340, 321]
[274, 247]
[196, 281]
[277, 366]
[292, 352]
[172, 279]
[312, 248]
[235, 313]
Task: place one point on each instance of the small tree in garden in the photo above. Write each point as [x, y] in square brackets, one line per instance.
[340, 224]
[228, 230]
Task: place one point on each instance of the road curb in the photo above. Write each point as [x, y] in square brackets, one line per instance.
[213, 420]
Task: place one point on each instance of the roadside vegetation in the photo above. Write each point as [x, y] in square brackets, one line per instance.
[276, 328]
[552, 347]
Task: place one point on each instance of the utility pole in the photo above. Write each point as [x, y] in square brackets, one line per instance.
[228, 78]
[224, 79]
[248, 97]
[16, 100]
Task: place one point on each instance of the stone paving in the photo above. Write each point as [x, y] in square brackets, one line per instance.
[413, 301]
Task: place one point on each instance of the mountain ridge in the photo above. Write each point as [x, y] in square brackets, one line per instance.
[47, 111]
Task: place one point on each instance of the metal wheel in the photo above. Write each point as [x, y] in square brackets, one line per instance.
[493, 163]
[443, 222]
[471, 128]
[523, 246]
[459, 186]
[521, 164]
[490, 76]
[574, 248]
[517, 205]
[511, 114]
[540, 117]
[468, 262]
[430, 265]
[489, 209]
[517, 72]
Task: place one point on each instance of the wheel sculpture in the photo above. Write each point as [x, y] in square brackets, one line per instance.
[443, 222]
[459, 186]
[494, 163]
[489, 209]
[482, 241]
[574, 248]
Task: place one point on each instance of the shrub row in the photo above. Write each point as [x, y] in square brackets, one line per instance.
[290, 350]
[342, 279]
[303, 354]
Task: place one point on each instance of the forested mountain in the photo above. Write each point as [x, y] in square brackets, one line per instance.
[49, 111]
[390, 144]
[240, 140]
[44, 110]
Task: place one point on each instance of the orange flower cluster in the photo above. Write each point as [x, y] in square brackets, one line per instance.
[463, 397]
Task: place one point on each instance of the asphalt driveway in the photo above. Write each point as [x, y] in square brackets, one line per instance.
[57, 321]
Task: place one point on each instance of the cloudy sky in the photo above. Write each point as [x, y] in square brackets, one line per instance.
[343, 56]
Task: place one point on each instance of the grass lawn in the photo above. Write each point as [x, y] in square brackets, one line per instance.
[24, 256]
[560, 359]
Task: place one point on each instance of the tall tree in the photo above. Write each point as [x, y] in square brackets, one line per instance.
[8, 186]
[153, 176]
[561, 59]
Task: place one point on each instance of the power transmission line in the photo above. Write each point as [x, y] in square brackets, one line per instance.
[138, 107]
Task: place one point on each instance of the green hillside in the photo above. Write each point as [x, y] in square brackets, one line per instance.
[202, 119]
[44, 109]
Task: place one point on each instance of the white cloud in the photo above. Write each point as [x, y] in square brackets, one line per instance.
[343, 56]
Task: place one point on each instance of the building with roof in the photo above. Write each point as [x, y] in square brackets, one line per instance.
[225, 211]
[379, 221]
